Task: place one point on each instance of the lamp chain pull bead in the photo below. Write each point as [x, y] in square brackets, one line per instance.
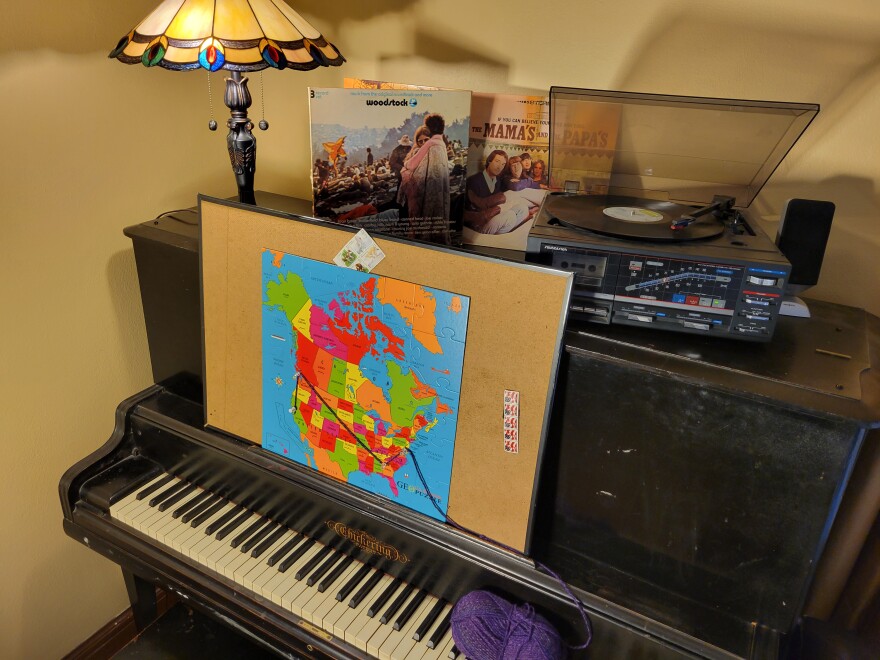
[212, 124]
[264, 125]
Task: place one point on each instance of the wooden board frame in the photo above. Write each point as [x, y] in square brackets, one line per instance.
[515, 326]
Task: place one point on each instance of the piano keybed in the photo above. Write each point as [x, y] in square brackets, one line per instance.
[352, 600]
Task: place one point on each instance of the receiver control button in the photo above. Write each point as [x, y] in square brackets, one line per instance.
[762, 281]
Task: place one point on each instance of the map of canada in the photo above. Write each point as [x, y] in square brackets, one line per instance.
[358, 369]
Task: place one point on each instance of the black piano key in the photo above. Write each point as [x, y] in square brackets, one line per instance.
[410, 609]
[149, 490]
[353, 581]
[234, 524]
[212, 504]
[269, 542]
[365, 590]
[284, 549]
[453, 652]
[168, 492]
[222, 520]
[249, 530]
[333, 575]
[295, 555]
[316, 575]
[207, 514]
[383, 597]
[440, 631]
[249, 545]
[179, 495]
[312, 563]
[190, 504]
[388, 614]
[429, 620]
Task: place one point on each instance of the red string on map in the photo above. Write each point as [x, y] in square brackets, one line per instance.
[449, 520]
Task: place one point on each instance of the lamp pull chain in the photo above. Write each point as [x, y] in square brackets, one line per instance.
[212, 125]
[264, 125]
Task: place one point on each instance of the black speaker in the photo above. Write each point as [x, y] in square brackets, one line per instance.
[802, 237]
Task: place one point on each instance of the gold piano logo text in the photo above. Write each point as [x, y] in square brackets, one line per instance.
[367, 542]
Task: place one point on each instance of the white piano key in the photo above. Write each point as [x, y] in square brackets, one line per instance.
[443, 649]
[372, 624]
[252, 579]
[340, 607]
[151, 526]
[169, 523]
[202, 546]
[447, 611]
[229, 563]
[420, 650]
[141, 520]
[230, 568]
[136, 512]
[123, 513]
[303, 605]
[260, 565]
[227, 541]
[187, 542]
[240, 574]
[146, 513]
[321, 614]
[272, 573]
[221, 550]
[170, 526]
[131, 497]
[400, 642]
[441, 608]
[385, 629]
[356, 618]
[287, 586]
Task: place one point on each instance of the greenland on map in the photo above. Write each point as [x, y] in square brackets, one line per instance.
[358, 369]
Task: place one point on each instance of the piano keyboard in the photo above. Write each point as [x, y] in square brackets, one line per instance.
[381, 615]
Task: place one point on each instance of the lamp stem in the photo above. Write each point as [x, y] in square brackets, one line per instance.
[241, 141]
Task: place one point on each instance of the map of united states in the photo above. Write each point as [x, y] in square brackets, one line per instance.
[360, 372]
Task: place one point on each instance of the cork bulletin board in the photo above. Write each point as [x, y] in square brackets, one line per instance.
[515, 319]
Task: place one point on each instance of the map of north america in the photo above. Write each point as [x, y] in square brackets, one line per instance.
[359, 370]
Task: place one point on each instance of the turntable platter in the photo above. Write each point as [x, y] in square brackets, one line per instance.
[630, 218]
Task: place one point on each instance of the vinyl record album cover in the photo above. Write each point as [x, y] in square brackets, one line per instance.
[391, 161]
[507, 168]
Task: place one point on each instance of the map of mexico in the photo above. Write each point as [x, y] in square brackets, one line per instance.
[358, 369]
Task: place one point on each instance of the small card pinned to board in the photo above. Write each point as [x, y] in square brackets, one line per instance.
[360, 253]
[511, 421]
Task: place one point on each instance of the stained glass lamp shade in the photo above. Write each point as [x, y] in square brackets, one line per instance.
[236, 35]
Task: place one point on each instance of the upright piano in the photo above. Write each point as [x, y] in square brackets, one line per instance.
[686, 497]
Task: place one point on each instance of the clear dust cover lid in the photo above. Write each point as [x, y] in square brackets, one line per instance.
[676, 148]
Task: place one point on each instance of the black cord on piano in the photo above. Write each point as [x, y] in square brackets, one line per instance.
[577, 601]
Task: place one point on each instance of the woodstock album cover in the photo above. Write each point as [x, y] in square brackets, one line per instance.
[391, 161]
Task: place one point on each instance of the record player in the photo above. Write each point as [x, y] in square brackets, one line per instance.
[652, 215]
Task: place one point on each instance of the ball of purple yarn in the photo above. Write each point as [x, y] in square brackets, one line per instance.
[487, 627]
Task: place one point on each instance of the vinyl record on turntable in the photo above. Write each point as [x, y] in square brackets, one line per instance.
[630, 218]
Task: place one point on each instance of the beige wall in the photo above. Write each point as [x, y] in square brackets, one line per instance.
[91, 146]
